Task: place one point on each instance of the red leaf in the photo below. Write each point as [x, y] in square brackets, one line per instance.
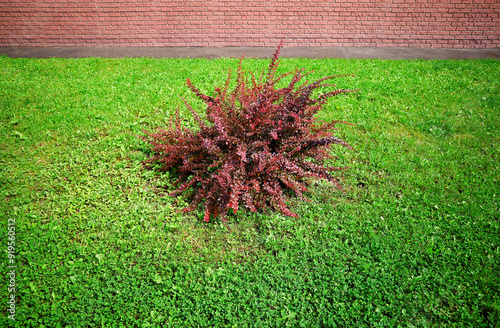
[259, 141]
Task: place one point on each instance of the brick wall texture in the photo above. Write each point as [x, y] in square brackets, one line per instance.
[219, 23]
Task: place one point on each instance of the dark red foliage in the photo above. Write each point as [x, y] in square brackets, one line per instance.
[256, 142]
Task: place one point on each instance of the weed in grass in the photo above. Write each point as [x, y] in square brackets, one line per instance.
[413, 242]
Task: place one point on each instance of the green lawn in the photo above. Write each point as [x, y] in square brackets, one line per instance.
[413, 241]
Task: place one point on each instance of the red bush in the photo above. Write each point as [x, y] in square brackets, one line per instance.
[256, 142]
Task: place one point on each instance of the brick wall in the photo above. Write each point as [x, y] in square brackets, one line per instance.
[217, 23]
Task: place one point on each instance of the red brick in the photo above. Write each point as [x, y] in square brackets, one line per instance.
[231, 23]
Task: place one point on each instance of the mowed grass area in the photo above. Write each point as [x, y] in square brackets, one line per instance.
[413, 242]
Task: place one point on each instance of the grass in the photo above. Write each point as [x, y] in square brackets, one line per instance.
[413, 242]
